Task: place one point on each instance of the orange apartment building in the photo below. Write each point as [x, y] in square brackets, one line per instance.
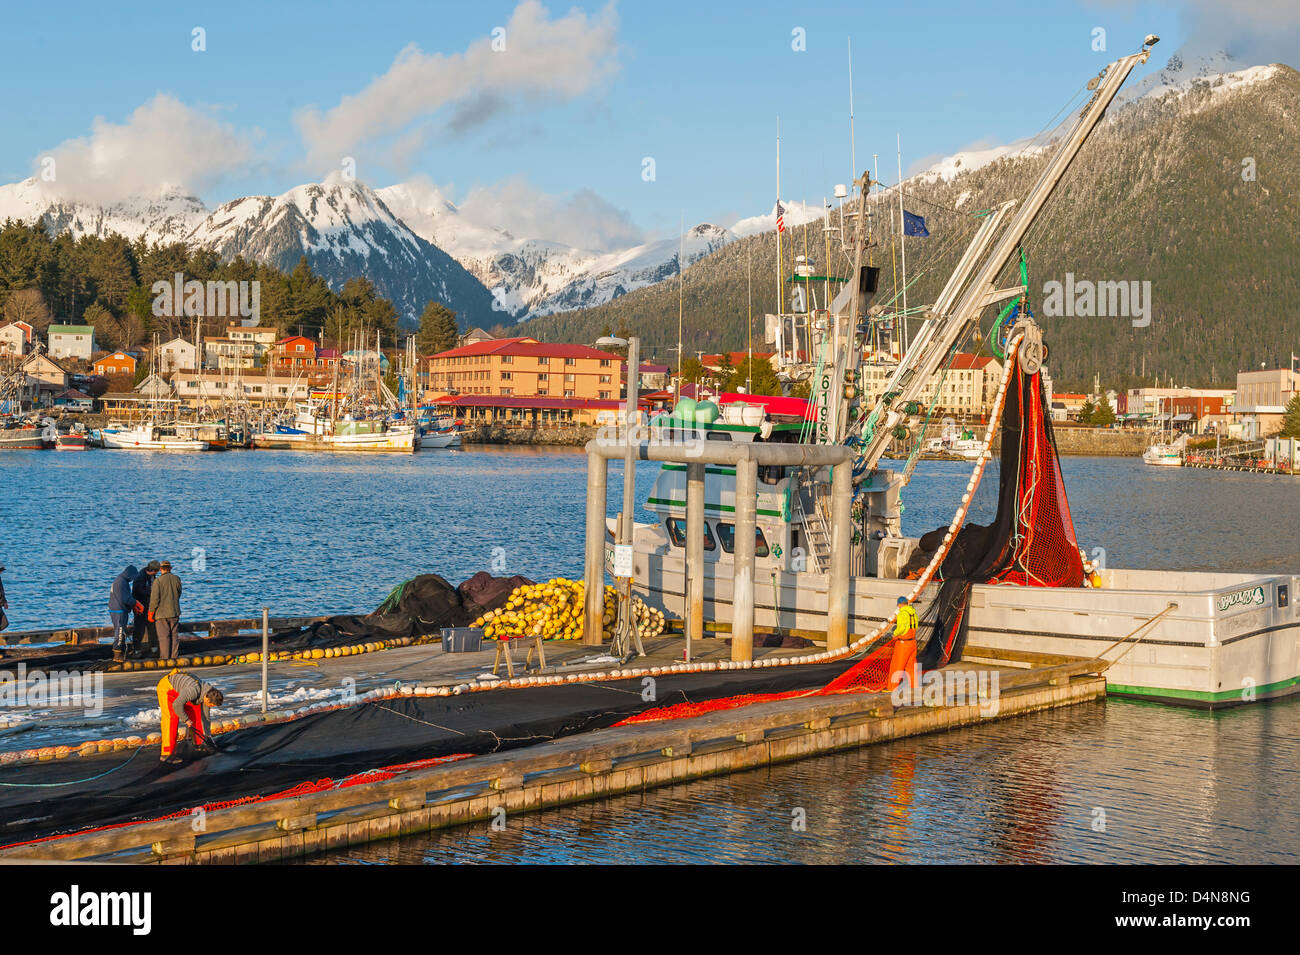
[523, 380]
[510, 367]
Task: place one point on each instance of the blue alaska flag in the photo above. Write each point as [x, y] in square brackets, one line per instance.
[914, 225]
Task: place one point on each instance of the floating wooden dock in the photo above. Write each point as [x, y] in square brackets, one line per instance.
[572, 769]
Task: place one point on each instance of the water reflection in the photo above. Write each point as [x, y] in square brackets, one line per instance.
[1102, 782]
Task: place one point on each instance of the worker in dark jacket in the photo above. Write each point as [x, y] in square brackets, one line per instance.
[143, 642]
[165, 611]
[120, 604]
[182, 697]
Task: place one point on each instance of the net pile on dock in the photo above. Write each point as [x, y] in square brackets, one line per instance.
[555, 610]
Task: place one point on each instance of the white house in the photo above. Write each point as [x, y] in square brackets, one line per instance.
[13, 339]
[72, 341]
[177, 353]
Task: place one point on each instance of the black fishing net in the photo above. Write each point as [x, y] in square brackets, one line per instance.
[1031, 540]
[67, 795]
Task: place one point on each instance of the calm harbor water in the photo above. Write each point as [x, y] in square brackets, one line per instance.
[316, 534]
[312, 534]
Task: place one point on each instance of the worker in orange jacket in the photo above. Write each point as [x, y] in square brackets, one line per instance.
[903, 662]
[182, 697]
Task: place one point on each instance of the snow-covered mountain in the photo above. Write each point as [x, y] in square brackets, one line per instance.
[534, 276]
[344, 229]
[1184, 72]
[340, 225]
[169, 216]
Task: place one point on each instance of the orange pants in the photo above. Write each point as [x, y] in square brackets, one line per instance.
[903, 662]
[171, 717]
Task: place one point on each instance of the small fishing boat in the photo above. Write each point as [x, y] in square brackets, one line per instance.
[71, 441]
[438, 430]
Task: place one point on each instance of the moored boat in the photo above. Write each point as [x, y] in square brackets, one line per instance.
[147, 437]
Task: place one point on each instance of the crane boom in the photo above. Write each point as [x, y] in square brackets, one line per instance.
[970, 289]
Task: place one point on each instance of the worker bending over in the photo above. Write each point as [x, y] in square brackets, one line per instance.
[182, 697]
[903, 662]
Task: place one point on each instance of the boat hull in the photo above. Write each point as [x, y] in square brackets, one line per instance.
[21, 439]
[131, 443]
[393, 442]
[1232, 639]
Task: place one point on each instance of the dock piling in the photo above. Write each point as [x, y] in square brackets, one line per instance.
[594, 573]
[266, 646]
[837, 597]
[694, 554]
[742, 607]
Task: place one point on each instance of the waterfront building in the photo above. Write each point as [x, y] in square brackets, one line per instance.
[1262, 397]
[258, 389]
[514, 367]
[1193, 410]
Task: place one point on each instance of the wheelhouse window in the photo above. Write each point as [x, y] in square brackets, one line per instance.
[727, 535]
[677, 533]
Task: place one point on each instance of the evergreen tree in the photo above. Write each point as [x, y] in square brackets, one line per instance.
[758, 375]
[1291, 420]
[438, 329]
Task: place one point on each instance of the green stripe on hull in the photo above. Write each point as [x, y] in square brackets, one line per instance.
[1200, 696]
[709, 507]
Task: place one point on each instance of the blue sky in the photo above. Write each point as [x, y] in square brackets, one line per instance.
[697, 86]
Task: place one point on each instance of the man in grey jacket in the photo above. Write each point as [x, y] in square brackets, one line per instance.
[185, 699]
[165, 611]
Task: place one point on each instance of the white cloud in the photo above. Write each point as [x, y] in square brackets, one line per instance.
[583, 220]
[1252, 31]
[163, 144]
[544, 60]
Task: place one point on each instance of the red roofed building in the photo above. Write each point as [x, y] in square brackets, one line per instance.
[515, 367]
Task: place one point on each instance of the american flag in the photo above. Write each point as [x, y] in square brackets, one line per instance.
[780, 216]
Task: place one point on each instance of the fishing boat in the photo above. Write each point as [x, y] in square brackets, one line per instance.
[315, 429]
[148, 436]
[24, 435]
[1023, 583]
[357, 413]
